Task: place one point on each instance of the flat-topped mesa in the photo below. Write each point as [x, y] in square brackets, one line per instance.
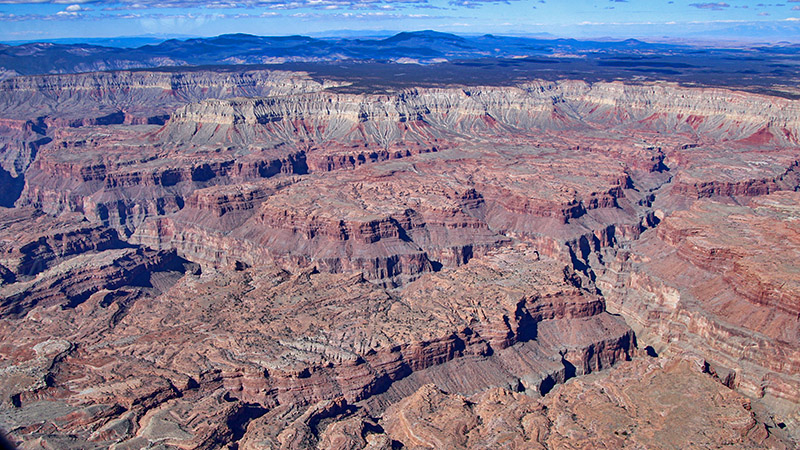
[398, 219]
[222, 200]
[516, 204]
[350, 157]
[138, 96]
[201, 229]
[390, 246]
[343, 245]
[380, 248]
[708, 113]
[715, 115]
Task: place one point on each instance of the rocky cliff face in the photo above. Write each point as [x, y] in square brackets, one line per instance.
[277, 340]
[37, 110]
[588, 412]
[291, 269]
[719, 280]
[716, 115]
[140, 96]
[323, 132]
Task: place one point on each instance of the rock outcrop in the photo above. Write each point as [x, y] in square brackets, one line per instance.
[272, 264]
[644, 404]
[34, 242]
[137, 97]
[720, 280]
[272, 340]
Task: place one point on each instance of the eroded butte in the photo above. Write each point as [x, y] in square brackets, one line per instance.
[258, 260]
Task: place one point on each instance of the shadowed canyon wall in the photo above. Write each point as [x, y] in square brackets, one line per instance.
[257, 259]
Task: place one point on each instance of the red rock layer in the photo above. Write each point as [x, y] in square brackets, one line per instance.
[269, 341]
[720, 280]
[643, 404]
[35, 241]
[355, 248]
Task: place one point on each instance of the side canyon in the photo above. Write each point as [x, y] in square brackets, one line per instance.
[266, 259]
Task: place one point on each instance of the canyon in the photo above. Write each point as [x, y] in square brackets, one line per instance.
[269, 259]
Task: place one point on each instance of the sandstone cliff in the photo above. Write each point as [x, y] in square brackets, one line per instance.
[270, 263]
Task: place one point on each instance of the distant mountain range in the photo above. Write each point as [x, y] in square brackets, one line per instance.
[420, 47]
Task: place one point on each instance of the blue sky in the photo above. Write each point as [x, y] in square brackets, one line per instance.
[48, 19]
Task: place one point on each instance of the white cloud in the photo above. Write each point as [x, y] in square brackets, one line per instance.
[275, 4]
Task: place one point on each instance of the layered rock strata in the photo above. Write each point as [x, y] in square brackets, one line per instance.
[720, 280]
[136, 96]
[352, 249]
[277, 343]
[322, 132]
[645, 404]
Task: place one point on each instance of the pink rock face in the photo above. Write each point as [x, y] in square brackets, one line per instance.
[269, 264]
[269, 338]
[721, 280]
[644, 404]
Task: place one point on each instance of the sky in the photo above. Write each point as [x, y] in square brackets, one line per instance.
[52, 19]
